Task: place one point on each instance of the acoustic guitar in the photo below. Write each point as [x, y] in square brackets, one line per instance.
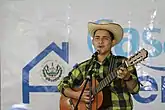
[69, 104]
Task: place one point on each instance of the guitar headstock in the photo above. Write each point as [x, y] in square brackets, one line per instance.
[138, 57]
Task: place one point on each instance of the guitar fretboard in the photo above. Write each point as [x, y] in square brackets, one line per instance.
[105, 82]
[138, 57]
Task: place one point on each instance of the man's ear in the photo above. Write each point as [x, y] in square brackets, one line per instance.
[92, 40]
[113, 42]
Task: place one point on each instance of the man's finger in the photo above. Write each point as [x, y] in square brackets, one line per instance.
[87, 101]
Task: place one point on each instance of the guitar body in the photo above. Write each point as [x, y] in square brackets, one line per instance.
[69, 104]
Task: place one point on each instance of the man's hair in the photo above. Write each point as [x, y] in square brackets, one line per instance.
[110, 33]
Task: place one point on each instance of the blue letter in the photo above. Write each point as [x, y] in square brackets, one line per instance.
[26, 88]
[152, 87]
[155, 43]
[163, 88]
[134, 40]
[164, 46]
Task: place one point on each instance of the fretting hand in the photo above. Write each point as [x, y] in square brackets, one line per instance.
[123, 73]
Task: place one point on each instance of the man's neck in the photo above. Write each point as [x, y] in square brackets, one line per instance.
[101, 57]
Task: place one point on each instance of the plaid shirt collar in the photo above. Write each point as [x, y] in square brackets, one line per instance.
[106, 60]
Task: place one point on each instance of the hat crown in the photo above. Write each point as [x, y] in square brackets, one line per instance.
[104, 22]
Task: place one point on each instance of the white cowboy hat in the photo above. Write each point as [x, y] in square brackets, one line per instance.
[114, 28]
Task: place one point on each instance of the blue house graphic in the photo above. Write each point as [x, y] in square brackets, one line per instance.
[26, 88]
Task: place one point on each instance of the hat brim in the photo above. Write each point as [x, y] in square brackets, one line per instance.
[114, 28]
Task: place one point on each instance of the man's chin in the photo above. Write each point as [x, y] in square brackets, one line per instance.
[104, 52]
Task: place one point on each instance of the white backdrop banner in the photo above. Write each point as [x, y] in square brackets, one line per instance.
[41, 40]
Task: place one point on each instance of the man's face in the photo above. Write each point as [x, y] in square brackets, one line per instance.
[103, 42]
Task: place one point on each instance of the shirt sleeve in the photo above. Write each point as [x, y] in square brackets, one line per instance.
[73, 79]
[133, 71]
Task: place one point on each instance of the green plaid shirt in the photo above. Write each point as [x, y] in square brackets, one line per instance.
[116, 96]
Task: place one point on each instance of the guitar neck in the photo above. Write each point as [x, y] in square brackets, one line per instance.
[108, 79]
[138, 57]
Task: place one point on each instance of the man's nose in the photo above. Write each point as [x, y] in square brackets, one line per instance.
[100, 41]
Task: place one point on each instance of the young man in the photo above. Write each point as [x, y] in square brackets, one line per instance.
[117, 94]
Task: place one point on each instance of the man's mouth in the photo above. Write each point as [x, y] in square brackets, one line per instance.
[100, 46]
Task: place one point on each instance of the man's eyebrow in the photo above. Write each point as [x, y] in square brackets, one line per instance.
[106, 36]
[97, 36]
